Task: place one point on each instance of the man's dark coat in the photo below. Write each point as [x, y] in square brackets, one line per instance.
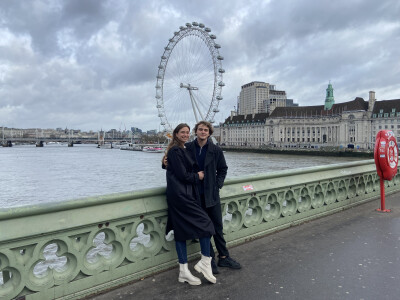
[215, 170]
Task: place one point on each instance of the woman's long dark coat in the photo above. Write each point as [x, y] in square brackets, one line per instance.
[185, 215]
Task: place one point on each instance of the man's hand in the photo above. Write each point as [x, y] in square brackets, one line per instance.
[201, 175]
[165, 160]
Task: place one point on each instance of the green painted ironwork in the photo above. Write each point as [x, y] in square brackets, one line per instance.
[76, 248]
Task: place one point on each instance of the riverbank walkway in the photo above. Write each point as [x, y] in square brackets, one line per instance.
[353, 254]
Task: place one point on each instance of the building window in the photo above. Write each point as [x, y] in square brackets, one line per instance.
[374, 115]
[386, 115]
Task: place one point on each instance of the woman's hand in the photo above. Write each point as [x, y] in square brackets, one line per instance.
[201, 175]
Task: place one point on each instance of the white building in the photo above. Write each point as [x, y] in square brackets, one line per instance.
[277, 99]
[252, 97]
[244, 130]
[260, 97]
[349, 124]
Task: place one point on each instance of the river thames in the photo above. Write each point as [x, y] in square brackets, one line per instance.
[31, 175]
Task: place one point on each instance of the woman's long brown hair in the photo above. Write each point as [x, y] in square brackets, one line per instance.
[174, 141]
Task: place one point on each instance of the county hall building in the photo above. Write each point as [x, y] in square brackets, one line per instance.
[352, 124]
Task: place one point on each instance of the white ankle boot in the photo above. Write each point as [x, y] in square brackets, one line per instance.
[204, 266]
[185, 275]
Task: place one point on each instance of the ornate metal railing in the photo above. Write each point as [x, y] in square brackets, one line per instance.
[72, 249]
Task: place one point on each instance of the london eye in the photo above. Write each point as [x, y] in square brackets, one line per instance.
[189, 78]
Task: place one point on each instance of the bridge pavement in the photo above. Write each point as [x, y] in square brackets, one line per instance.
[353, 254]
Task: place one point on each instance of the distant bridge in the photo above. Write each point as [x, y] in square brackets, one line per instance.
[30, 140]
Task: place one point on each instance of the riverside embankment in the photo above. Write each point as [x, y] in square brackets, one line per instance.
[305, 151]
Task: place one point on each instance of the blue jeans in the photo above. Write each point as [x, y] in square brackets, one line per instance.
[182, 253]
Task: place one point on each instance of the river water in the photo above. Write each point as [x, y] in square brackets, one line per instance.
[32, 175]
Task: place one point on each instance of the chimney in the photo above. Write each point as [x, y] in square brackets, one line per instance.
[233, 113]
[371, 100]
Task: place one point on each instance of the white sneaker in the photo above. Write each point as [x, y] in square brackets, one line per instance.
[186, 276]
[204, 266]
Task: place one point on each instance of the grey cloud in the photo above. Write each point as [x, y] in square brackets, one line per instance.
[92, 64]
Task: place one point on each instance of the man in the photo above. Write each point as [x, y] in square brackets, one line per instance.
[211, 160]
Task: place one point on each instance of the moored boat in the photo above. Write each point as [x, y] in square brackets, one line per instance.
[153, 149]
[131, 147]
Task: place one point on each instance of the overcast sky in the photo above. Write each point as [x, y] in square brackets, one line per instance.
[92, 64]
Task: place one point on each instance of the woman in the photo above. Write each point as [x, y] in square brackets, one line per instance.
[185, 215]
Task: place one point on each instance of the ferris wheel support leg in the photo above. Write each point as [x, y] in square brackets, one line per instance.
[195, 102]
[194, 106]
[382, 188]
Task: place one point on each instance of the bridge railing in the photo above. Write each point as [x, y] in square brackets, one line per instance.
[72, 249]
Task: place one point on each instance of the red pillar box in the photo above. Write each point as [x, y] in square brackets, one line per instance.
[386, 160]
